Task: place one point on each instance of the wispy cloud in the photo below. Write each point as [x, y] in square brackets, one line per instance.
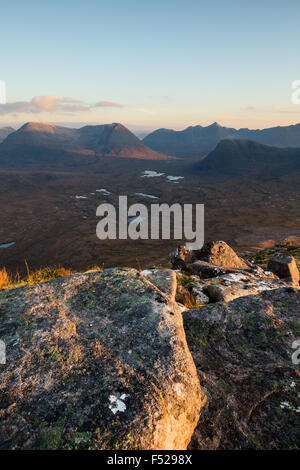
[52, 104]
[108, 104]
[147, 111]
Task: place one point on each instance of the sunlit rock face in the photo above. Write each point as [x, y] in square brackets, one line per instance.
[96, 361]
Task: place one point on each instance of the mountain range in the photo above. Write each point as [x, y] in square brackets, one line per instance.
[41, 142]
[43, 145]
[198, 141]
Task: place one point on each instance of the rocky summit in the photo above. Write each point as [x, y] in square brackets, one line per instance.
[201, 356]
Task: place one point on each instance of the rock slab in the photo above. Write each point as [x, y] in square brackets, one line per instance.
[96, 361]
[284, 266]
[243, 352]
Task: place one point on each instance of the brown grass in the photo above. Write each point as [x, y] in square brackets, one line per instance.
[5, 279]
[35, 277]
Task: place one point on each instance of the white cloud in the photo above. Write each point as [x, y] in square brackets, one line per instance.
[52, 103]
[108, 104]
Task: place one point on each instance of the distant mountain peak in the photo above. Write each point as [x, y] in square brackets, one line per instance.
[33, 126]
[215, 124]
[198, 141]
[40, 141]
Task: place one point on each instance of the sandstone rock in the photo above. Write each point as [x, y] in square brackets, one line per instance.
[204, 269]
[243, 353]
[95, 361]
[180, 257]
[200, 297]
[182, 294]
[231, 286]
[220, 254]
[284, 266]
[164, 279]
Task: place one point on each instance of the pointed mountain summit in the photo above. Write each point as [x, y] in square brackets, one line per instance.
[192, 142]
[39, 141]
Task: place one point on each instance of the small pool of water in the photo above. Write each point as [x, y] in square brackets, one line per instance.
[7, 245]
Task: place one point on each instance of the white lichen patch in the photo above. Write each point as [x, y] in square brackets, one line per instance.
[117, 403]
[285, 405]
[146, 272]
[178, 388]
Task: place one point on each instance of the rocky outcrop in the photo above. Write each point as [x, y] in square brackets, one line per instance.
[285, 267]
[96, 361]
[231, 286]
[243, 353]
[220, 254]
[230, 277]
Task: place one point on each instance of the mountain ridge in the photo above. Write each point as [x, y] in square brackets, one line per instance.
[198, 141]
[241, 156]
[40, 140]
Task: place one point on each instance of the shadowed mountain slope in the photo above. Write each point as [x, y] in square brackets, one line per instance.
[197, 141]
[247, 157]
[4, 132]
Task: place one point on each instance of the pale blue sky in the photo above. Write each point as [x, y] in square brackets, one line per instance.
[168, 63]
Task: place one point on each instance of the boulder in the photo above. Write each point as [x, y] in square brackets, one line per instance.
[208, 270]
[243, 351]
[231, 286]
[96, 361]
[284, 266]
[200, 297]
[220, 254]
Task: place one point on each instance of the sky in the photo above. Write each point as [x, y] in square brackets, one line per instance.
[150, 64]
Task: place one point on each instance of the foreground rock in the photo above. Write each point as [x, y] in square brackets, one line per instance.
[96, 361]
[285, 267]
[220, 254]
[232, 286]
[243, 353]
[229, 278]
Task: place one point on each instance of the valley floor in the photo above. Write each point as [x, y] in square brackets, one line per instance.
[49, 218]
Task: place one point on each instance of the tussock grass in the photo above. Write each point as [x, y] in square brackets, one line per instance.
[262, 257]
[7, 281]
[46, 274]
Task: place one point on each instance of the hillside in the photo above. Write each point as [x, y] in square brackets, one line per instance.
[42, 142]
[247, 157]
[197, 141]
[4, 132]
